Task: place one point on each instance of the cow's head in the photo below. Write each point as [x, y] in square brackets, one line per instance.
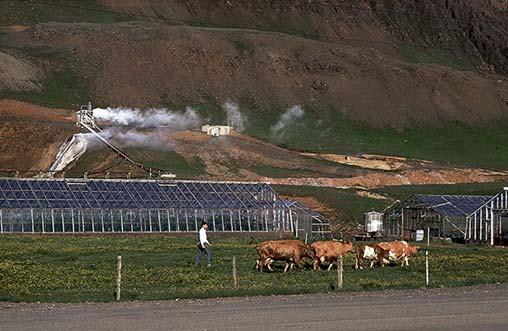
[411, 250]
[347, 246]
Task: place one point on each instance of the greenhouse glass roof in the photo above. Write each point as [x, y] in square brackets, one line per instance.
[453, 205]
[135, 194]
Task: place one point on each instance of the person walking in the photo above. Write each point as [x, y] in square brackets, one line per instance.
[204, 245]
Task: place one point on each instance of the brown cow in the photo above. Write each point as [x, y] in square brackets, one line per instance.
[329, 251]
[396, 250]
[290, 251]
[368, 252]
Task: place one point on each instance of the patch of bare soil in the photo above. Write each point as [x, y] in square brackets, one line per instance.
[410, 177]
[377, 162]
[18, 74]
[371, 195]
[31, 135]
[28, 146]
[31, 112]
[16, 28]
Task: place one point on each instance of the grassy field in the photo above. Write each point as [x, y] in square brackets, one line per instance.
[402, 192]
[74, 269]
[61, 88]
[330, 132]
[165, 160]
[434, 56]
[344, 200]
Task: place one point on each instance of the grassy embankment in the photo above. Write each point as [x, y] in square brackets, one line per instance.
[72, 269]
[351, 205]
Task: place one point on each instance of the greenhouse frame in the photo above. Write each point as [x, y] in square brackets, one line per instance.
[308, 221]
[468, 218]
[141, 206]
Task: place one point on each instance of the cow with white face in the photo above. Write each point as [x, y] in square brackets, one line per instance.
[385, 253]
[366, 252]
[395, 251]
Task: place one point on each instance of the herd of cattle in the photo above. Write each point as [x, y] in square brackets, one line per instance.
[322, 253]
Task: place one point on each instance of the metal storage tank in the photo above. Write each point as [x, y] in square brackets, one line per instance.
[373, 221]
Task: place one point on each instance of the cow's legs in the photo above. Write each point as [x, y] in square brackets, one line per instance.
[358, 263]
[372, 263]
[315, 264]
[269, 264]
[330, 266]
[286, 267]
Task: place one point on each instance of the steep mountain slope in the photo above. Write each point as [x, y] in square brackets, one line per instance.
[477, 28]
[146, 64]
[421, 79]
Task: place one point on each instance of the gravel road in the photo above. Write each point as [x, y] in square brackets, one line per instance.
[474, 308]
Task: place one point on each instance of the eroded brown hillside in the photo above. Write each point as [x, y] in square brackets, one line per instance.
[145, 64]
[477, 28]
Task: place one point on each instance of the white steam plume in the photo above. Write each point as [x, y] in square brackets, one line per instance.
[291, 115]
[70, 151]
[73, 149]
[137, 138]
[234, 116]
[156, 117]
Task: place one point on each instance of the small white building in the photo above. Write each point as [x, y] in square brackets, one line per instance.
[373, 221]
[216, 130]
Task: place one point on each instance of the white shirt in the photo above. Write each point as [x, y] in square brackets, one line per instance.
[202, 237]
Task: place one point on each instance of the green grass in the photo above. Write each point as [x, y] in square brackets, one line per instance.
[165, 160]
[402, 192]
[76, 269]
[61, 87]
[275, 172]
[331, 132]
[169, 160]
[344, 200]
[434, 56]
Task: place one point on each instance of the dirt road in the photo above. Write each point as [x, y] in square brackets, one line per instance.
[474, 308]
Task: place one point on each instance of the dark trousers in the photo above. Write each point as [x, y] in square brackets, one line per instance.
[208, 253]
